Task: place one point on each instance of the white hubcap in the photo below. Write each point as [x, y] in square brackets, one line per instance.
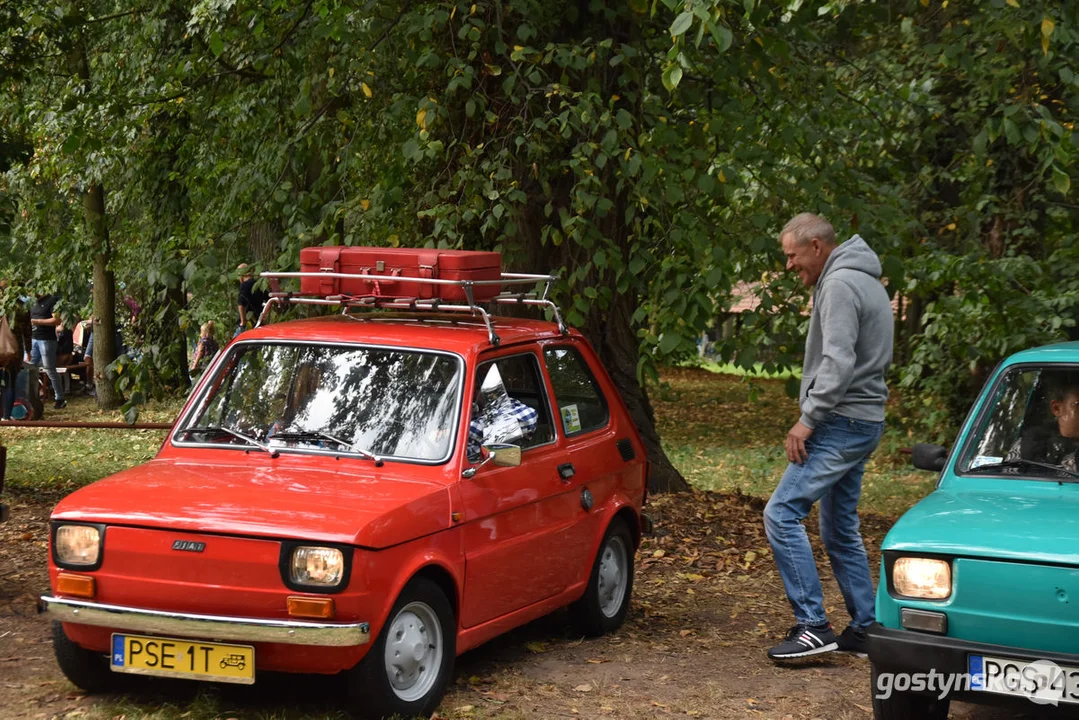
[413, 655]
[613, 576]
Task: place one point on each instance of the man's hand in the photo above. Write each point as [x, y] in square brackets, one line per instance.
[795, 444]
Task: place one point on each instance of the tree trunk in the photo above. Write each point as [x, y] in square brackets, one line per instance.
[108, 398]
[613, 337]
[93, 203]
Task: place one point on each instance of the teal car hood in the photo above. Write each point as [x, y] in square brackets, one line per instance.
[1032, 522]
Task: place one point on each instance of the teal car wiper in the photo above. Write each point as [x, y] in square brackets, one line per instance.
[340, 442]
[236, 434]
[1022, 462]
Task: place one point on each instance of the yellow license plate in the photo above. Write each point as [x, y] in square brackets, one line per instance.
[169, 657]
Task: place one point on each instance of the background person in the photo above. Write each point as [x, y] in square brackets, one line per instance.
[19, 322]
[250, 301]
[44, 321]
[842, 396]
[205, 348]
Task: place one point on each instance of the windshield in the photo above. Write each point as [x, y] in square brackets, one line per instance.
[343, 399]
[1031, 426]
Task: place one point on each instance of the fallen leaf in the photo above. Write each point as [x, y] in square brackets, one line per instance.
[583, 688]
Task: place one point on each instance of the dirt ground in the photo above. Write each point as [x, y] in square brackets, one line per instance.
[707, 604]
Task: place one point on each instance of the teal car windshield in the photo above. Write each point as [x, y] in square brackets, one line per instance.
[1030, 427]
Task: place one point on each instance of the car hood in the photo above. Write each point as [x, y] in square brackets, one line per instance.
[1033, 523]
[287, 499]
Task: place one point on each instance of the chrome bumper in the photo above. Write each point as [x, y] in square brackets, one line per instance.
[210, 627]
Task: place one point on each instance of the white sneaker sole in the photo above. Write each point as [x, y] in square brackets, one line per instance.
[808, 653]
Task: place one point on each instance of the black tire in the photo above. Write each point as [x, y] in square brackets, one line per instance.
[86, 669]
[369, 686]
[599, 611]
[906, 705]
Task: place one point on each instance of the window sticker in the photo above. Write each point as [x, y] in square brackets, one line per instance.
[985, 460]
[571, 419]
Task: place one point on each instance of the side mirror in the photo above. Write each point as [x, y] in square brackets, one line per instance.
[504, 455]
[929, 457]
[500, 454]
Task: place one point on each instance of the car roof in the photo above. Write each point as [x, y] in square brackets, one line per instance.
[462, 335]
[1065, 352]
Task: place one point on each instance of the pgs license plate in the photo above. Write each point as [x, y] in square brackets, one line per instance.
[1041, 681]
[168, 657]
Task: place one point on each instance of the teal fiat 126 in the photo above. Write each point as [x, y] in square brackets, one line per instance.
[979, 589]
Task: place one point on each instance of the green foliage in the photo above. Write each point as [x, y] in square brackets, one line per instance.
[649, 152]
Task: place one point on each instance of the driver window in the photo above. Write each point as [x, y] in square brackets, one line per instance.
[509, 405]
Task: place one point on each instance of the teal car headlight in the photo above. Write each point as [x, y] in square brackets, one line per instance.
[922, 577]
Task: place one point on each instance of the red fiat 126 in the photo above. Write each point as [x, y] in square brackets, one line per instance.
[370, 492]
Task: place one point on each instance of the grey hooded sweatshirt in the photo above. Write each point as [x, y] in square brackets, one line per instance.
[849, 347]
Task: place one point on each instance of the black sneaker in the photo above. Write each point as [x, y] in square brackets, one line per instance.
[803, 641]
[853, 640]
[60, 404]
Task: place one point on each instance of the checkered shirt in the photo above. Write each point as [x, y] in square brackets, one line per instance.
[525, 416]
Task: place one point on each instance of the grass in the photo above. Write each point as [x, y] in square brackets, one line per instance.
[723, 440]
[757, 372]
[44, 464]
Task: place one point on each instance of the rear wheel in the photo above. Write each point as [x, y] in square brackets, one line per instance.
[86, 669]
[406, 671]
[606, 599]
[905, 705]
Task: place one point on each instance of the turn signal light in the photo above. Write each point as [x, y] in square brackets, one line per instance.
[75, 585]
[307, 607]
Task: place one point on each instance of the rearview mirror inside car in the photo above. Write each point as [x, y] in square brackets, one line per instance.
[929, 457]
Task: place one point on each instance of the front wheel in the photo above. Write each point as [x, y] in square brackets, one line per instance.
[87, 670]
[900, 705]
[606, 599]
[406, 671]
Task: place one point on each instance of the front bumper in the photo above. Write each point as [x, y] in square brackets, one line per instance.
[910, 651]
[211, 627]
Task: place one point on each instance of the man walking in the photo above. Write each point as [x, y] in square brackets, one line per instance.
[847, 353]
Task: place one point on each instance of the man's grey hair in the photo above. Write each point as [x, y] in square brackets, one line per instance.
[806, 226]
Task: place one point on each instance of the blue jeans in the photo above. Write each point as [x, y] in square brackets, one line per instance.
[832, 473]
[43, 353]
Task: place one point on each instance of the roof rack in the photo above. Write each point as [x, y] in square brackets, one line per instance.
[283, 299]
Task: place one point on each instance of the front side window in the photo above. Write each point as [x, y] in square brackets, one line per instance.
[509, 406]
[384, 402]
[1030, 427]
[581, 404]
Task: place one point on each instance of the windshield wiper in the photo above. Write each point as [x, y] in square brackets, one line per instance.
[1023, 462]
[274, 452]
[340, 442]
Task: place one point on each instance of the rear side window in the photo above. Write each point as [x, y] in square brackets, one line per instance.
[581, 405]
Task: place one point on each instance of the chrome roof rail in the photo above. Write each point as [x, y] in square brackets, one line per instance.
[429, 306]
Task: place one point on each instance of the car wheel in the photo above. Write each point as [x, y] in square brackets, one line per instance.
[605, 602]
[86, 669]
[904, 705]
[406, 671]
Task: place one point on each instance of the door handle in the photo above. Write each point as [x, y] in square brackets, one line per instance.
[566, 472]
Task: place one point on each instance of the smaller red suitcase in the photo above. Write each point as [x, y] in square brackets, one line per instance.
[390, 269]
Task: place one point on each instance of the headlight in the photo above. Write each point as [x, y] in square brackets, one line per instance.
[77, 544]
[926, 578]
[319, 566]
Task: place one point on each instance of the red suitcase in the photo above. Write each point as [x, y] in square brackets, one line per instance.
[390, 269]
